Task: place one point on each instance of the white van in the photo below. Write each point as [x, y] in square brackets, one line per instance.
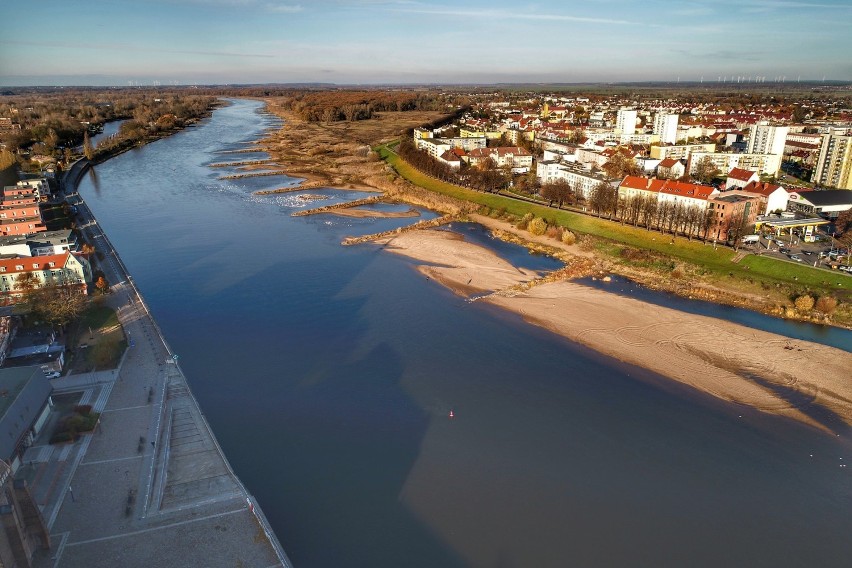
[751, 239]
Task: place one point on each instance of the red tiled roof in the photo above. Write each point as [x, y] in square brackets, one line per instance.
[687, 189]
[763, 188]
[32, 263]
[741, 174]
[668, 163]
[668, 186]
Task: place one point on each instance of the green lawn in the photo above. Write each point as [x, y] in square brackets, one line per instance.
[752, 268]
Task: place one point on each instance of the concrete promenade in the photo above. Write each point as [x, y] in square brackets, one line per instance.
[151, 486]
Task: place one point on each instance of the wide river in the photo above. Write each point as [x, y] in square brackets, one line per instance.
[328, 374]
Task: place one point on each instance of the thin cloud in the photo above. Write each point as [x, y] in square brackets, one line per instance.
[283, 8]
[127, 47]
[268, 6]
[499, 14]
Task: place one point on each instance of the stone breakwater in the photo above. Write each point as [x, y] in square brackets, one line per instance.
[255, 174]
[426, 224]
[346, 205]
[242, 163]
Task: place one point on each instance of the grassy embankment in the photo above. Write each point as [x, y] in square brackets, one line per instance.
[769, 278]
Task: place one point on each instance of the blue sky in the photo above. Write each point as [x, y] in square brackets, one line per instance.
[114, 42]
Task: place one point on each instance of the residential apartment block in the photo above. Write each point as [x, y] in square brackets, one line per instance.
[764, 138]
[19, 211]
[581, 178]
[680, 152]
[665, 126]
[763, 164]
[834, 164]
[51, 270]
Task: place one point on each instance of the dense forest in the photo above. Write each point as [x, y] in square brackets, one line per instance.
[339, 105]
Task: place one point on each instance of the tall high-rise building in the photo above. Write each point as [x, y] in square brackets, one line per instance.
[625, 121]
[834, 165]
[665, 125]
[764, 138]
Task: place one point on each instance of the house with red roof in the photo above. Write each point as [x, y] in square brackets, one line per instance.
[671, 168]
[772, 197]
[452, 158]
[739, 177]
[67, 269]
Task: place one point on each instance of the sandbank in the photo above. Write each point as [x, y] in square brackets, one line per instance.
[806, 381]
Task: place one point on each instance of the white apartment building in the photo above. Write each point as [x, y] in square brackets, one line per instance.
[764, 138]
[516, 158]
[834, 164]
[665, 126]
[763, 164]
[625, 121]
[579, 177]
[681, 152]
[53, 270]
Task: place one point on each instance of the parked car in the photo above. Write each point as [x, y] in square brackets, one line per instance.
[846, 269]
[796, 257]
[52, 374]
[783, 250]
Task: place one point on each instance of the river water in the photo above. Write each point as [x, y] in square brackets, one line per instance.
[328, 374]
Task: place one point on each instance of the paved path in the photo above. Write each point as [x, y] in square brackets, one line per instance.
[151, 486]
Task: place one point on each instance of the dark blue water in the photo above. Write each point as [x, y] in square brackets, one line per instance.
[827, 335]
[328, 374]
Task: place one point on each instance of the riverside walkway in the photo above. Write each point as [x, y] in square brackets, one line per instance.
[151, 486]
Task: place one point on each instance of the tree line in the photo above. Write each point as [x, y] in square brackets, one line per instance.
[350, 105]
[486, 176]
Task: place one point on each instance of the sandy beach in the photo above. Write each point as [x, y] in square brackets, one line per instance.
[801, 380]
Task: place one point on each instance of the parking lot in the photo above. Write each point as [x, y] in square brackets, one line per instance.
[818, 254]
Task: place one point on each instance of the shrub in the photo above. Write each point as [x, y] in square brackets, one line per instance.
[522, 224]
[677, 273]
[537, 226]
[83, 408]
[826, 305]
[804, 303]
[554, 232]
[569, 238]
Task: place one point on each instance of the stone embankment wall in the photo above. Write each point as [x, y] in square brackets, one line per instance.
[427, 224]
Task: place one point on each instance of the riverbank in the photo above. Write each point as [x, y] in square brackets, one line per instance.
[765, 371]
[180, 484]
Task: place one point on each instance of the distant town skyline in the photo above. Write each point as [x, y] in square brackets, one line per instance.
[119, 42]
